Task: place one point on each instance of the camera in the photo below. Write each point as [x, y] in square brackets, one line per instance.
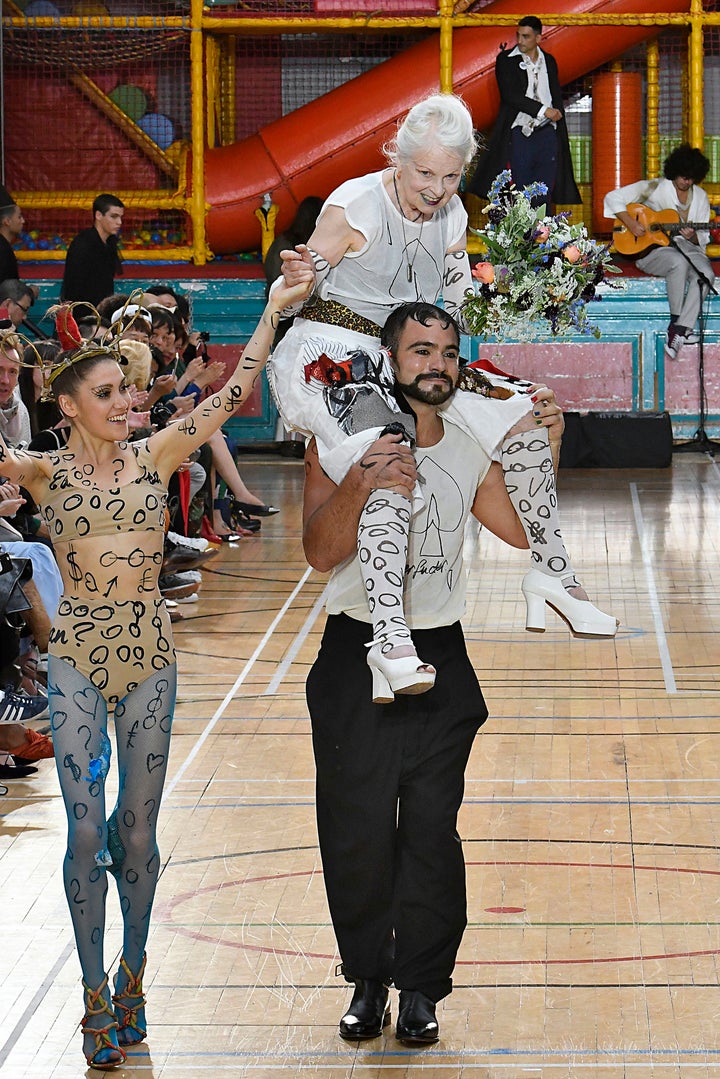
[204, 335]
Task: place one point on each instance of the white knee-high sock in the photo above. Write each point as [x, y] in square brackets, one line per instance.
[383, 549]
[530, 481]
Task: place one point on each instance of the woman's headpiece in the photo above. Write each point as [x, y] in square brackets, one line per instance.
[131, 311]
[74, 346]
[72, 343]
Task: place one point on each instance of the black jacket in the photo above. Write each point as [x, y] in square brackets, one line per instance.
[8, 262]
[90, 268]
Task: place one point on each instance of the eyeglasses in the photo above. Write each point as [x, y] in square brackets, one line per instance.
[23, 309]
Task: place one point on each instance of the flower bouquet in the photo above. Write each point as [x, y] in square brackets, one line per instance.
[540, 272]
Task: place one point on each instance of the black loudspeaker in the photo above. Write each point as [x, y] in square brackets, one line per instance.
[617, 440]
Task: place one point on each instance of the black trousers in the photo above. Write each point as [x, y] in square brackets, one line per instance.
[390, 781]
[534, 157]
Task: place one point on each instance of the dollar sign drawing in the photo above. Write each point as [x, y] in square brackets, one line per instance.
[75, 571]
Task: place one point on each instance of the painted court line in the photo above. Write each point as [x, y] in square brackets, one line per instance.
[297, 645]
[660, 635]
[170, 787]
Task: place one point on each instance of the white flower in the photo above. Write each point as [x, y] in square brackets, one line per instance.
[546, 270]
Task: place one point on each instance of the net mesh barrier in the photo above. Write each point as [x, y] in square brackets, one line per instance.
[108, 108]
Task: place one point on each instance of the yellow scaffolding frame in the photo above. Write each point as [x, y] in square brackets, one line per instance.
[212, 88]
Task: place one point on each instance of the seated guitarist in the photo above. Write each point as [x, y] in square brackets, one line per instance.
[681, 258]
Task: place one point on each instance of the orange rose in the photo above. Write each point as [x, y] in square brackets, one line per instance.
[484, 272]
[572, 253]
[541, 234]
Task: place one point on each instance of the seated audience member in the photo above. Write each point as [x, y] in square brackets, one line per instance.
[192, 379]
[241, 509]
[14, 417]
[20, 746]
[36, 362]
[17, 298]
[46, 578]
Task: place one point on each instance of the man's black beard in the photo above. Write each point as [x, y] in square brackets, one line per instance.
[435, 396]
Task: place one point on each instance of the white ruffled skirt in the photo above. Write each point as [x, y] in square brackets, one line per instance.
[304, 403]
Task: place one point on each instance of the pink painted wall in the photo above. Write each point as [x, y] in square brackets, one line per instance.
[596, 376]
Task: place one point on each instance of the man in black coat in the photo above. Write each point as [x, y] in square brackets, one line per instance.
[92, 259]
[12, 223]
[530, 135]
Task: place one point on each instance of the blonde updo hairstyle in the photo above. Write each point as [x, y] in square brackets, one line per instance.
[442, 120]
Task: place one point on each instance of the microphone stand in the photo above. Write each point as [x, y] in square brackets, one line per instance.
[700, 442]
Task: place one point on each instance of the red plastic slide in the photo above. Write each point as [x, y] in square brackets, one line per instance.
[312, 150]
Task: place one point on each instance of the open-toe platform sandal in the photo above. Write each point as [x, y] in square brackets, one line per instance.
[128, 1003]
[108, 1053]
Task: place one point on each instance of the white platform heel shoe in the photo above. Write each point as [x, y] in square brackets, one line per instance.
[583, 618]
[396, 675]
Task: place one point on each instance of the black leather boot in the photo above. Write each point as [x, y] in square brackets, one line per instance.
[368, 1013]
[416, 1019]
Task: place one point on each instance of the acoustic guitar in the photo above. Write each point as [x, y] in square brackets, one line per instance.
[660, 226]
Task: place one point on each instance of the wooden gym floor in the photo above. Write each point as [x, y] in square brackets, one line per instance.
[591, 823]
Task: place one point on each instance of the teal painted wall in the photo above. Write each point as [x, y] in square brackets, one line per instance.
[627, 370]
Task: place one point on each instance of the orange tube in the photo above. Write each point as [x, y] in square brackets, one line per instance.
[616, 137]
[317, 147]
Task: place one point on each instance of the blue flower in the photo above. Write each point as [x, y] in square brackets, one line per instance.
[538, 292]
[535, 190]
[502, 181]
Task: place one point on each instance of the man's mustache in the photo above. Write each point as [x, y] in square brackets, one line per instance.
[435, 377]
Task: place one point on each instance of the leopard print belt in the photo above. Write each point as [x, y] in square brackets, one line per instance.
[334, 313]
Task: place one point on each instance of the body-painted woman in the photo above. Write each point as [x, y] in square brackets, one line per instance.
[111, 649]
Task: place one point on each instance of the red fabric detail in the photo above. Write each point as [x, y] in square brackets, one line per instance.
[489, 366]
[328, 371]
[66, 329]
[206, 531]
[184, 485]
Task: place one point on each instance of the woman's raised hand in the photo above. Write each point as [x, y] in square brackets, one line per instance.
[211, 372]
[297, 263]
[10, 500]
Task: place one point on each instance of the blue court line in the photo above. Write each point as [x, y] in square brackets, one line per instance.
[628, 802]
[426, 1054]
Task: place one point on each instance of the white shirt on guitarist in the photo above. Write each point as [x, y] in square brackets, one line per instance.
[661, 195]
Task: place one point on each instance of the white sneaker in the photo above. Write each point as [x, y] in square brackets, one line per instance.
[196, 542]
[192, 576]
[674, 343]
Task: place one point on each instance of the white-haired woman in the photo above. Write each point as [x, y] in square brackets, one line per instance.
[392, 237]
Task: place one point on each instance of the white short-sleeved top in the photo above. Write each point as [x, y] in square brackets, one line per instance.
[401, 262]
[450, 473]
[661, 195]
